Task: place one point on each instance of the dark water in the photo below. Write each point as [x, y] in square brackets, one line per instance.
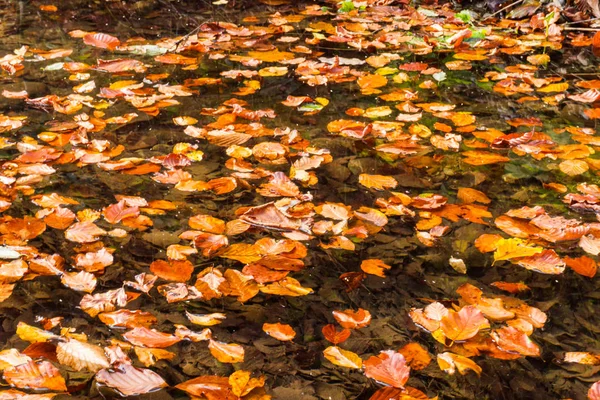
[419, 273]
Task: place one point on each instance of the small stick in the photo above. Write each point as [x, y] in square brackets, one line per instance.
[505, 8]
[581, 22]
[567, 28]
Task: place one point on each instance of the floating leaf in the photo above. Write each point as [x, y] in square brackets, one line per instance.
[450, 362]
[226, 353]
[377, 182]
[334, 336]
[279, 331]
[80, 355]
[464, 324]
[351, 319]
[389, 368]
[130, 381]
[35, 375]
[242, 383]
[210, 387]
[342, 358]
[374, 266]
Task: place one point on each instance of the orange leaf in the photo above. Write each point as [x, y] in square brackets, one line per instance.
[209, 387]
[226, 353]
[487, 243]
[119, 211]
[449, 362]
[377, 182]
[468, 196]
[374, 266]
[511, 287]
[101, 40]
[279, 331]
[239, 285]
[206, 223]
[35, 375]
[84, 232]
[173, 270]
[464, 324]
[389, 367]
[512, 340]
[478, 157]
[242, 383]
[333, 335]
[127, 318]
[371, 81]
[353, 319]
[143, 336]
[583, 265]
[242, 252]
[415, 355]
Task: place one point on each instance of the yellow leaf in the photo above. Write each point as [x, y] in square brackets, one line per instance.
[377, 182]
[342, 358]
[242, 252]
[573, 167]
[450, 362]
[242, 383]
[555, 87]
[513, 248]
[32, 334]
[539, 59]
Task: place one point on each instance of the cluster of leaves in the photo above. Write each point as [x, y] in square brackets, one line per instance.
[256, 249]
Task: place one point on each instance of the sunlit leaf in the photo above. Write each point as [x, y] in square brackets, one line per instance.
[342, 358]
[80, 355]
[450, 362]
[35, 375]
[464, 324]
[389, 368]
[333, 335]
[142, 336]
[226, 353]
[351, 319]
[279, 331]
[131, 381]
[242, 383]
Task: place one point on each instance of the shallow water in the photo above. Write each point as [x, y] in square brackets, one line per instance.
[414, 152]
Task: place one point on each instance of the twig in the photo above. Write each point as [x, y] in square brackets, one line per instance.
[505, 8]
[567, 28]
[581, 22]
